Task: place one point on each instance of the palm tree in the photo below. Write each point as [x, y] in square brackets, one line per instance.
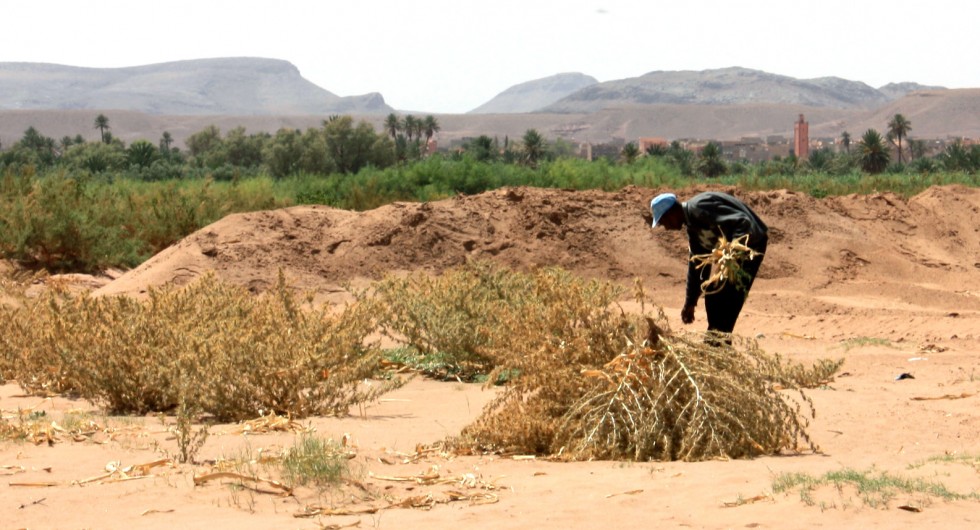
[533, 147]
[845, 138]
[899, 128]
[917, 149]
[431, 126]
[482, 148]
[629, 152]
[392, 125]
[710, 163]
[419, 128]
[142, 153]
[408, 125]
[165, 141]
[102, 124]
[873, 155]
[955, 157]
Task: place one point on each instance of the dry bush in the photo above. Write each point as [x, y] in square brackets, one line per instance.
[588, 380]
[213, 347]
[465, 315]
[683, 399]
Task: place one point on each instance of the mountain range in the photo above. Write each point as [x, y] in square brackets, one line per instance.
[265, 94]
[241, 86]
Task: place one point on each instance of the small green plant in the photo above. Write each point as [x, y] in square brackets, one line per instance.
[968, 459]
[861, 342]
[873, 488]
[189, 440]
[315, 461]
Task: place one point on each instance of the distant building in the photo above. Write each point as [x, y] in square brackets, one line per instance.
[646, 142]
[747, 149]
[801, 139]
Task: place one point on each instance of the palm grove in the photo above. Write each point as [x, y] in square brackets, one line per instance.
[341, 146]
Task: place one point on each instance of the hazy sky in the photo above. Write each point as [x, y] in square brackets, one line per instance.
[450, 56]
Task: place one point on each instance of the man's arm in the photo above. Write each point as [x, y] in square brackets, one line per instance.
[695, 278]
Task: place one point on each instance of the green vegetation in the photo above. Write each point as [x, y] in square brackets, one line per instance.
[859, 342]
[315, 461]
[72, 205]
[874, 154]
[74, 221]
[872, 488]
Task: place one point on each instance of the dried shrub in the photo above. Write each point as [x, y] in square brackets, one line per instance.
[594, 381]
[449, 319]
[683, 399]
[212, 347]
[14, 282]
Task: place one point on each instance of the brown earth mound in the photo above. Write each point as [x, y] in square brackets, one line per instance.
[889, 251]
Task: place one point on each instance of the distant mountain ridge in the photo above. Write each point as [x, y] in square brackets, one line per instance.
[534, 95]
[239, 85]
[729, 86]
[182, 98]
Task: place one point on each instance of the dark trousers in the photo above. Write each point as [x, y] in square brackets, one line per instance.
[724, 306]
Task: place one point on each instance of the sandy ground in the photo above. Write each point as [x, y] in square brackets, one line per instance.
[891, 285]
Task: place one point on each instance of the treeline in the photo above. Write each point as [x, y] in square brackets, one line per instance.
[338, 146]
[342, 147]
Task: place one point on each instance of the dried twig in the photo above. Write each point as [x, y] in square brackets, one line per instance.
[279, 487]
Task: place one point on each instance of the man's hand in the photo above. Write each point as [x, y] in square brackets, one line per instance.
[687, 314]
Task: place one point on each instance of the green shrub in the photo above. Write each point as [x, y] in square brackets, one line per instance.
[314, 460]
[73, 222]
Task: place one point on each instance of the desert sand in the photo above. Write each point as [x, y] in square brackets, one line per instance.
[891, 285]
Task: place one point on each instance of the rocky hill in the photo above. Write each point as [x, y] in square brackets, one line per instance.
[537, 94]
[729, 86]
[240, 86]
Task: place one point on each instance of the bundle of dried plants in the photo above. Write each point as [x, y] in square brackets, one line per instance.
[725, 260]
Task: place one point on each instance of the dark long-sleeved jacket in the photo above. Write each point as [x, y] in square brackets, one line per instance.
[708, 215]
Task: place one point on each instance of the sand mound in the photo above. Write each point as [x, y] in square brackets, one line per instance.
[892, 250]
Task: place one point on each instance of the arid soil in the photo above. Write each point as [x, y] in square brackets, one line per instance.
[892, 285]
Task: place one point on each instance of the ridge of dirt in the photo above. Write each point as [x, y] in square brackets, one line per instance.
[883, 246]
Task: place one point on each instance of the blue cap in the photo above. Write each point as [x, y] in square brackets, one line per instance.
[660, 204]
